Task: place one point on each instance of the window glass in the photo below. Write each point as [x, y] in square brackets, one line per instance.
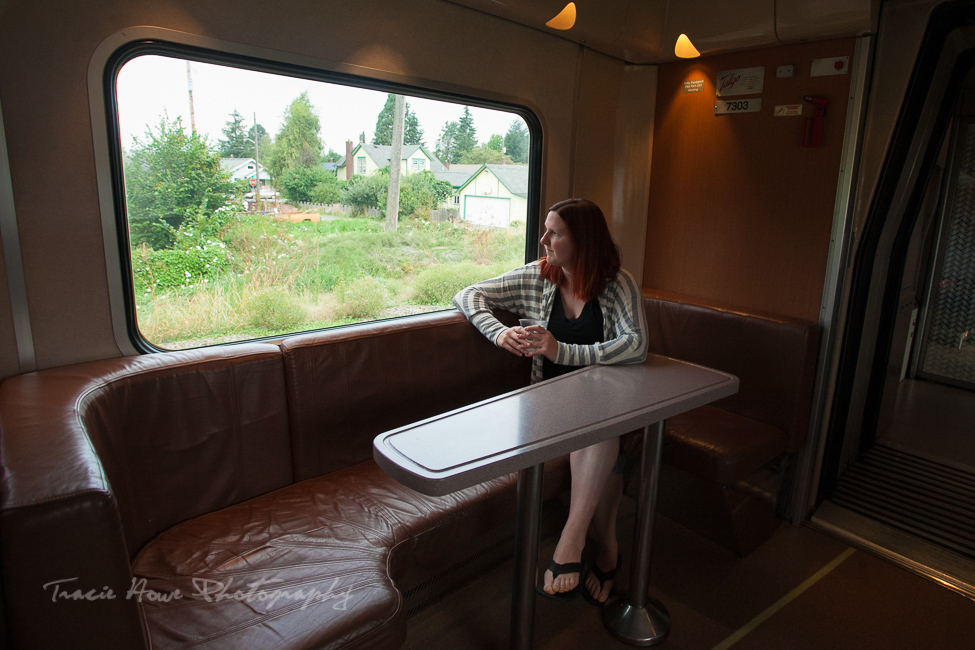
[256, 202]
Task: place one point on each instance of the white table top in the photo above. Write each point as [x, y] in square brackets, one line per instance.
[504, 434]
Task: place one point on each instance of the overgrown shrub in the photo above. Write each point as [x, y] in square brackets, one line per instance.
[172, 268]
[274, 309]
[329, 190]
[437, 284]
[364, 297]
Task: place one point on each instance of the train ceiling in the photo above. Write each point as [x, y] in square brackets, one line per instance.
[645, 31]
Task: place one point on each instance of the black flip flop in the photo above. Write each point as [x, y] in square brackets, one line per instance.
[602, 577]
[557, 570]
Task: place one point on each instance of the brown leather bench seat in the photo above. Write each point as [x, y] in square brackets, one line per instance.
[709, 450]
[226, 497]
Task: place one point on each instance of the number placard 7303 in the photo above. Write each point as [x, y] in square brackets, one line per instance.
[727, 107]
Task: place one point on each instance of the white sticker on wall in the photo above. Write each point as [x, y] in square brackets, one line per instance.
[787, 110]
[743, 81]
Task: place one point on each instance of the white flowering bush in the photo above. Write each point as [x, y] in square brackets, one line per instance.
[196, 257]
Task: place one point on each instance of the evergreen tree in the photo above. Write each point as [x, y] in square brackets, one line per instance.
[466, 135]
[264, 143]
[412, 134]
[234, 144]
[298, 143]
[516, 142]
[446, 143]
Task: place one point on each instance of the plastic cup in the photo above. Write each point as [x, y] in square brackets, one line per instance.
[528, 322]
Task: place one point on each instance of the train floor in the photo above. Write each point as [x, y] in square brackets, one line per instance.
[801, 589]
[935, 421]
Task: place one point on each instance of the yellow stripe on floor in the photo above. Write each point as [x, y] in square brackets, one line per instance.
[782, 602]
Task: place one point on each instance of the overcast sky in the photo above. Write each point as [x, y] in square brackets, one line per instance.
[148, 86]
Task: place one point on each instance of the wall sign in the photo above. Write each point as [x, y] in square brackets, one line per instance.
[787, 110]
[727, 107]
[694, 86]
[743, 81]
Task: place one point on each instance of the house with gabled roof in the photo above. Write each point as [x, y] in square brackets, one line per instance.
[243, 169]
[494, 195]
[368, 158]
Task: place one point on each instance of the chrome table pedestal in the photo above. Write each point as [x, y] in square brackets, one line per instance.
[636, 619]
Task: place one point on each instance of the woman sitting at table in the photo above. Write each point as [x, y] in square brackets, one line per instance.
[594, 314]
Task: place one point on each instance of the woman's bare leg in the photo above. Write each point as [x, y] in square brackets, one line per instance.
[591, 469]
[604, 531]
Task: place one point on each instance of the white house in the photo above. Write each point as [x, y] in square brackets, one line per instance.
[243, 169]
[368, 158]
[494, 195]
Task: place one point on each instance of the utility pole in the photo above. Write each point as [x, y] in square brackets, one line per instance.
[257, 165]
[189, 87]
[395, 159]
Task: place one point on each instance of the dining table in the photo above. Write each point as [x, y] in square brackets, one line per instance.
[520, 430]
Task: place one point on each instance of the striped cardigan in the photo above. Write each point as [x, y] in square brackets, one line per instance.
[523, 291]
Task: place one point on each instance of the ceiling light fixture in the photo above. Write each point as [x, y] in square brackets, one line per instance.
[566, 18]
[684, 49]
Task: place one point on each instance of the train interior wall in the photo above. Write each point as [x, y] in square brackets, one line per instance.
[595, 111]
[740, 211]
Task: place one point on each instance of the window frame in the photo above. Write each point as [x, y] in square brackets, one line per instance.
[112, 190]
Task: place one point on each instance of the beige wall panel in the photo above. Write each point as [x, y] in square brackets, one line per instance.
[599, 96]
[46, 47]
[739, 211]
[613, 145]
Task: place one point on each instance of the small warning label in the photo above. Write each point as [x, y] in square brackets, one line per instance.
[787, 110]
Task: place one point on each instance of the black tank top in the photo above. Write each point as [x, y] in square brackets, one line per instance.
[584, 330]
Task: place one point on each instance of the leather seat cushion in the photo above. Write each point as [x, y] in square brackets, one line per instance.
[340, 537]
[719, 445]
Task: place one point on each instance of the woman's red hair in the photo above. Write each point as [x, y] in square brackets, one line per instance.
[597, 257]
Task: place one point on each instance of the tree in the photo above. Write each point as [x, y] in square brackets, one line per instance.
[366, 191]
[234, 144]
[495, 142]
[298, 142]
[264, 143]
[419, 191]
[299, 182]
[328, 191]
[412, 133]
[171, 177]
[480, 155]
[446, 143]
[516, 142]
[466, 135]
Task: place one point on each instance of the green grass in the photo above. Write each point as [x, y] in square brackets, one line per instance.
[282, 277]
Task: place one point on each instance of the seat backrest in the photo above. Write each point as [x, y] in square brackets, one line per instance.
[773, 356]
[177, 434]
[348, 385]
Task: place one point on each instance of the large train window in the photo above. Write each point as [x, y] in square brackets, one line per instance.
[257, 198]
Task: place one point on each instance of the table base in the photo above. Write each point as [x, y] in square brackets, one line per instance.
[637, 626]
